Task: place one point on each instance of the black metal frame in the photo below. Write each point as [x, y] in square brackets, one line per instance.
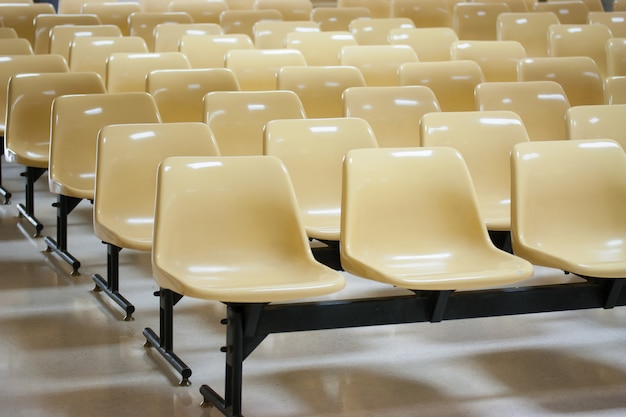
[3, 191]
[27, 211]
[64, 206]
[111, 285]
[249, 324]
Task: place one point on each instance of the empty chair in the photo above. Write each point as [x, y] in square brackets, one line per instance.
[75, 6]
[568, 12]
[240, 4]
[394, 113]
[255, 69]
[600, 121]
[113, 13]
[541, 105]
[580, 40]
[453, 82]
[209, 51]
[127, 71]
[242, 21]
[167, 37]
[15, 46]
[142, 24]
[45, 22]
[320, 48]
[379, 9]
[430, 44]
[21, 17]
[237, 118]
[291, 10]
[615, 90]
[178, 93]
[423, 13]
[376, 31]
[271, 34]
[578, 75]
[124, 210]
[615, 21]
[592, 5]
[154, 6]
[320, 88]
[516, 6]
[616, 57]
[200, 11]
[477, 21]
[333, 19]
[529, 29]
[497, 59]
[91, 53]
[61, 37]
[380, 71]
[8, 33]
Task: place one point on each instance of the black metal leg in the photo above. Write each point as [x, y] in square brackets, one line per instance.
[64, 206]
[615, 288]
[28, 211]
[111, 286]
[3, 191]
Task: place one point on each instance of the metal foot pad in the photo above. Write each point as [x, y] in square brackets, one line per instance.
[119, 299]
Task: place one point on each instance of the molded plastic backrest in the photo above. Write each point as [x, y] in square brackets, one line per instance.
[256, 69]
[15, 46]
[21, 17]
[423, 13]
[338, 18]
[271, 34]
[113, 13]
[128, 71]
[61, 37]
[290, 10]
[209, 51]
[497, 59]
[375, 31]
[616, 57]
[75, 6]
[319, 48]
[615, 21]
[597, 122]
[568, 12]
[242, 21]
[378, 8]
[615, 90]
[529, 29]
[200, 11]
[477, 21]
[580, 40]
[92, 53]
[8, 33]
[430, 44]
[382, 71]
[45, 22]
[142, 24]
[167, 36]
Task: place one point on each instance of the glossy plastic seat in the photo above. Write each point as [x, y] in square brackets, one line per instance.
[375, 31]
[516, 6]
[578, 75]
[179, 93]
[200, 11]
[8, 33]
[619, 5]
[209, 51]
[15, 46]
[291, 10]
[320, 48]
[453, 82]
[592, 5]
[61, 37]
[430, 44]
[597, 122]
[497, 59]
[586, 238]
[382, 71]
[45, 22]
[477, 21]
[393, 112]
[237, 118]
[540, 104]
[127, 71]
[568, 12]
[75, 6]
[379, 9]
[410, 218]
[616, 57]
[123, 213]
[580, 40]
[142, 24]
[91, 53]
[320, 88]
[271, 34]
[484, 139]
[423, 13]
[615, 21]
[167, 37]
[21, 17]
[337, 19]
[240, 4]
[313, 151]
[242, 21]
[113, 13]
[529, 29]
[615, 90]
[256, 69]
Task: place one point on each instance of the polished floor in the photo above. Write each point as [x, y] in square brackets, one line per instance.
[65, 350]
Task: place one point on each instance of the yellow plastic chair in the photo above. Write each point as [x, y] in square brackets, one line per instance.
[619, 5]
[91, 53]
[382, 71]
[578, 75]
[127, 71]
[200, 11]
[27, 134]
[320, 48]
[167, 37]
[123, 214]
[15, 46]
[240, 4]
[430, 44]
[423, 13]
[320, 88]
[379, 9]
[154, 6]
[242, 21]
[142, 24]
[615, 21]
[237, 118]
[592, 5]
[75, 6]
[600, 121]
[615, 90]
[580, 40]
[568, 12]
[616, 57]
[516, 6]
[585, 238]
[179, 93]
[45, 22]
[61, 37]
[209, 51]
[484, 139]
[291, 10]
[271, 34]
[113, 13]
[497, 59]
[313, 151]
[540, 104]
[256, 69]
[21, 17]
[75, 122]
[8, 33]
[337, 19]
[477, 21]
[453, 82]
[529, 29]
[376, 31]
[410, 218]
[393, 112]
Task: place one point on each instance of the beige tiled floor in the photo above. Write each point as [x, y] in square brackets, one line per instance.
[64, 350]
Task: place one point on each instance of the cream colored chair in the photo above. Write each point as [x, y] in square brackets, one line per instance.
[337, 19]
[375, 31]
[113, 13]
[200, 11]
[320, 48]
[393, 112]
[21, 17]
[615, 21]
[423, 13]
[477, 21]
[15, 46]
[497, 59]
[142, 24]
[578, 75]
[210, 51]
[240, 4]
[44, 23]
[242, 21]
[430, 44]
[580, 40]
[453, 82]
[379, 9]
[541, 105]
[382, 71]
[616, 57]
[290, 10]
[61, 37]
[271, 34]
[592, 5]
[127, 71]
[568, 12]
[8, 33]
[167, 37]
[123, 213]
[320, 88]
[256, 69]
[154, 6]
[91, 53]
[178, 93]
[75, 6]
[516, 6]
[619, 5]
[600, 121]
[529, 29]
[237, 118]
[615, 90]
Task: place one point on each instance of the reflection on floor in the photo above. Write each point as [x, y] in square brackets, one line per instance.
[64, 350]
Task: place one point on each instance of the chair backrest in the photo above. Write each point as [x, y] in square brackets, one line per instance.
[497, 59]
[580, 40]
[45, 22]
[375, 31]
[320, 88]
[568, 12]
[167, 36]
[600, 121]
[382, 71]
[21, 17]
[8, 33]
[615, 21]
[477, 21]
[242, 21]
[579, 225]
[592, 5]
[200, 11]
[516, 6]
[209, 51]
[75, 6]
[237, 118]
[393, 112]
[240, 4]
[313, 151]
[320, 48]
[91, 53]
[76, 121]
[615, 90]
[127, 71]
[179, 92]
[271, 34]
[61, 37]
[154, 6]
[530, 29]
[619, 5]
[578, 75]
[15, 46]
[142, 24]
[291, 10]
[333, 19]
[113, 13]
[423, 13]
[123, 209]
[430, 44]
[616, 57]
[29, 99]
[540, 104]
[378, 8]
[453, 82]
[256, 69]
[485, 139]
